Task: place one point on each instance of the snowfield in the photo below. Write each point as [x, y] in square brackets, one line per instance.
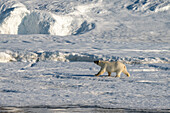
[47, 49]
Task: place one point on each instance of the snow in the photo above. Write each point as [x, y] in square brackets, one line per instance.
[48, 23]
[11, 16]
[149, 5]
[16, 19]
[4, 57]
[47, 49]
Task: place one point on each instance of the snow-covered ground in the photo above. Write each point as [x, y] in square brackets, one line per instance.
[47, 49]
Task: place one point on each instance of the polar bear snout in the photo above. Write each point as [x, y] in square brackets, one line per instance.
[96, 62]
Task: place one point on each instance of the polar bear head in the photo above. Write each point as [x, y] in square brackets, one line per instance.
[97, 62]
[100, 62]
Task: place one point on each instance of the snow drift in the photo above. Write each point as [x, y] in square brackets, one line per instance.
[11, 15]
[149, 6]
[16, 19]
[4, 57]
[74, 57]
[47, 23]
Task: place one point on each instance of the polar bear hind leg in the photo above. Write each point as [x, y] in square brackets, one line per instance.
[125, 71]
[118, 73]
[109, 73]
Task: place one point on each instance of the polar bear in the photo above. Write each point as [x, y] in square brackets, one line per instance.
[110, 67]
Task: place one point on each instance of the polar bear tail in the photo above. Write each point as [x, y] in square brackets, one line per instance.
[126, 72]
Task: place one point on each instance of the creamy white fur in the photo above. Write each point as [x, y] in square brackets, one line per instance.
[110, 67]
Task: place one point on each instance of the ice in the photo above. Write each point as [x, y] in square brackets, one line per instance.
[4, 57]
[53, 83]
[72, 57]
[11, 16]
[48, 23]
[47, 49]
[16, 19]
[149, 5]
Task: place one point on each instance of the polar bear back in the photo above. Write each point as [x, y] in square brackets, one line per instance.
[114, 66]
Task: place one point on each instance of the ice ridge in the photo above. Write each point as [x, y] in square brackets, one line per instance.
[16, 19]
[73, 57]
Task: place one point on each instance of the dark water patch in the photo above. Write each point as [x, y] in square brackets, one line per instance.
[78, 109]
[10, 91]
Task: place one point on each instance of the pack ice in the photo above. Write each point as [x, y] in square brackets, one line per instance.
[47, 49]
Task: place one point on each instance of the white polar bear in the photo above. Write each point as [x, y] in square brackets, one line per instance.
[110, 67]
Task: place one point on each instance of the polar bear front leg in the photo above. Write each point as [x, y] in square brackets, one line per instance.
[99, 73]
[102, 70]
